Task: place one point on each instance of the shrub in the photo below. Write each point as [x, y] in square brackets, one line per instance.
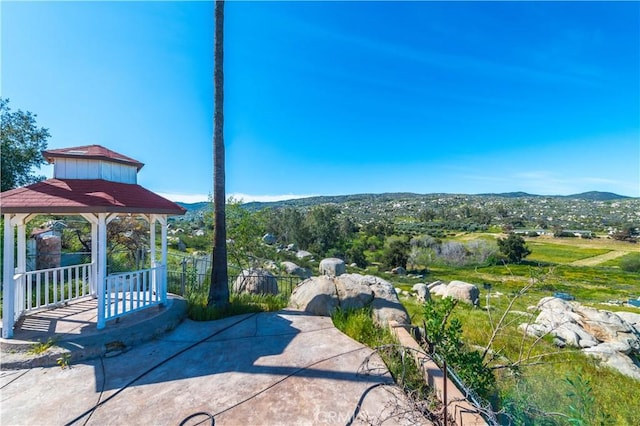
[630, 263]
[198, 310]
[359, 325]
[445, 338]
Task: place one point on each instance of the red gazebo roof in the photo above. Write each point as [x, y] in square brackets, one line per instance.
[94, 152]
[72, 196]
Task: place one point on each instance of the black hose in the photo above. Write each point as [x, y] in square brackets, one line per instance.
[91, 410]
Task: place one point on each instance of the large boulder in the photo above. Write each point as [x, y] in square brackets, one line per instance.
[399, 271]
[460, 290]
[611, 356]
[439, 290]
[293, 269]
[610, 337]
[421, 291]
[256, 281]
[631, 318]
[434, 284]
[316, 295]
[465, 292]
[332, 266]
[303, 254]
[322, 295]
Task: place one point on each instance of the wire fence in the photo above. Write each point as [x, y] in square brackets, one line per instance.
[192, 274]
[185, 283]
[483, 406]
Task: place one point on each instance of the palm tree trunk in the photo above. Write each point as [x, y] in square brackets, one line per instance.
[219, 288]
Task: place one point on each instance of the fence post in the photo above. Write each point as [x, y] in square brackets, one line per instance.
[446, 379]
[183, 262]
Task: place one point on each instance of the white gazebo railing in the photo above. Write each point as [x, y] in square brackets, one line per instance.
[128, 292]
[124, 292]
[47, 288]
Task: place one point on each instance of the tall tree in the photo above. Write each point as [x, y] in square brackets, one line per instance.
[514, 248]
[22, 142]
[219, 288]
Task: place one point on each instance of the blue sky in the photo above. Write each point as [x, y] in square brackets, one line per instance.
[326, 98]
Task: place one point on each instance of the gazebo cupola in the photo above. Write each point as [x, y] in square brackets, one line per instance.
[99, 185]
[93, 162]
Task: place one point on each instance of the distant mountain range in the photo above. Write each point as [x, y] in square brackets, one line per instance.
[589, 196]
[339, 199]
[194, 206]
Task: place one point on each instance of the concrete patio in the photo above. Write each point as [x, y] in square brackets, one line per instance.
[280, 368]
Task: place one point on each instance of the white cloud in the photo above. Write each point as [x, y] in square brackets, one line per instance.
[184, 198]
[245, 198]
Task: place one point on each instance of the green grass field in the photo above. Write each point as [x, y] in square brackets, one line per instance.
[560, 254]
[615, 263]
[550, 265]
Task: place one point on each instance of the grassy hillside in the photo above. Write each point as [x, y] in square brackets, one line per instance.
[552, 266]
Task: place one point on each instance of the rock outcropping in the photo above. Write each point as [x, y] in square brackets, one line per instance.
[332, 266]
[613, 338]
[422, 292]
[293, 269]
[322, 295]
[256, 281]
[465, 292]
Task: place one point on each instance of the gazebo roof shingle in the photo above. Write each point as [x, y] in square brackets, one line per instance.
[85, 196]
[93, 152]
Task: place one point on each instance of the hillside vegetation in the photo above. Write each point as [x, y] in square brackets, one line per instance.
[455, 237]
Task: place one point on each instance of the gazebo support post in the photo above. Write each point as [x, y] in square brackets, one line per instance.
[158, 278]
[8, 284]
[163, 256]
[152, 249]
[93, 282]
[163, 221]
[102, 267]
[21, 264]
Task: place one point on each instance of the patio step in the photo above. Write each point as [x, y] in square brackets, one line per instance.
[46, 348]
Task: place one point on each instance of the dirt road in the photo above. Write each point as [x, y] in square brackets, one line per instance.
[596, 260]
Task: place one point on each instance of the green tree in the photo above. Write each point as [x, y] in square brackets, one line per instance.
[626, 233]
[245, 230]
[514, 248]
[22, 143]
[131, 235]
[355, 252]
[323, 227]
[219, 287]
[395, 252]
[288, 225]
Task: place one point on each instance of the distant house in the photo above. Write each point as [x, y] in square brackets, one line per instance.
[582, 233]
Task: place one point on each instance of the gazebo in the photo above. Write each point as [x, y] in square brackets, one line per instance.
[100, 185]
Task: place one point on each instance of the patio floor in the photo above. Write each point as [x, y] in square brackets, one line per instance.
[73, 328]
[274, 368]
